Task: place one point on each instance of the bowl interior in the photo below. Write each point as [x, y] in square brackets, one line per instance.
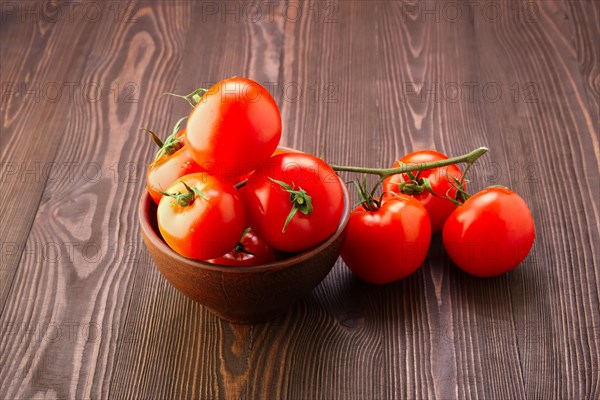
[149, 224]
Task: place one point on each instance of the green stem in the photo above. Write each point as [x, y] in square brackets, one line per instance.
[469, 158]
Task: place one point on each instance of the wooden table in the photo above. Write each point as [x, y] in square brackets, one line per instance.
[84, 312]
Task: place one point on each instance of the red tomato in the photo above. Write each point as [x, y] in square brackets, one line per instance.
[250, 251]
[166, 170]
[318, 197]
[234, 127]
[438, 208]
[204, 223]
[278, 150]
[388, 244]
[490, 234]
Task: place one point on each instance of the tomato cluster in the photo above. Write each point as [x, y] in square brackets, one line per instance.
[486, 234]
[227, 194]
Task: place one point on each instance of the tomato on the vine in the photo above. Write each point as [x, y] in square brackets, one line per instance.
[294, 201]
[202, 217]
[490, 234]
[235, 126]
[440, 179]
[250, 251]
[389, 242]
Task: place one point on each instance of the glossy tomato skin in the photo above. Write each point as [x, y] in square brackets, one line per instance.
[166, 170]
[261, 253]
[268, 204]
[438, 208]
[234, 127]
[207, 228]
[389, 244]
[279, 150]
[490, 234]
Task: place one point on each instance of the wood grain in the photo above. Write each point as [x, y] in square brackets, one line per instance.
[583, 37]
[88, 219]
[84, 312]
[28, 76]
[548, 60]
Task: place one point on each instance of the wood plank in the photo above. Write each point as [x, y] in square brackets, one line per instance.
[34, 63]
[585, 31]
[555, 296]
[76, 304]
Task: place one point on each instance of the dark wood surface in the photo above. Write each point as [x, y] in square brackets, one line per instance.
[84, 312]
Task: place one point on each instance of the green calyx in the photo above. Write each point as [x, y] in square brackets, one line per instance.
[239, 248]
[415, 184]
[301, 201]
[186, 199]
[367, 197]
[171, 144]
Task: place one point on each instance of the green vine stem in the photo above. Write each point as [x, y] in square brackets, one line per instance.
[302, 201]
[370, 203]
[383, 173]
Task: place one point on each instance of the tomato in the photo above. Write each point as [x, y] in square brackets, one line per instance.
[250, 251]
[171, 162]
[166, 170]
[438, 208]
[294, 181]
[235, 126]
[389, 243]
[490, 234]
[205, 220]
[278, 150]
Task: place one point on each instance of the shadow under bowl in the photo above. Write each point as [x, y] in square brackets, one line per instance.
[243, 294]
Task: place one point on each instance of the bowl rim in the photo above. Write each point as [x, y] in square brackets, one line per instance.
[157, 241]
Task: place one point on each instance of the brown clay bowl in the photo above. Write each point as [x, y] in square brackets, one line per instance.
[243, 294]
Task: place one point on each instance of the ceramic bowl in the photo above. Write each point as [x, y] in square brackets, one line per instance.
[243, 294]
